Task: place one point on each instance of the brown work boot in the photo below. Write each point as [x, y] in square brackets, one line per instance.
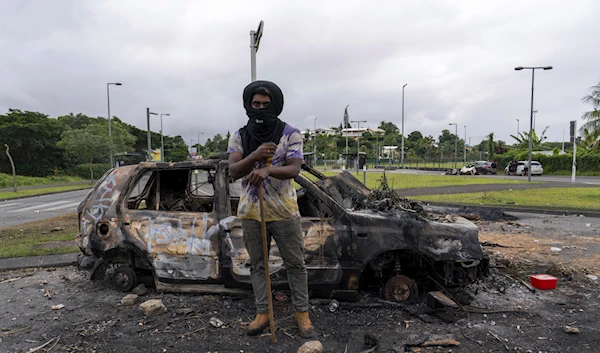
[258, 324]
[305, 327]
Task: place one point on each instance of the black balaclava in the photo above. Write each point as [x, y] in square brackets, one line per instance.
[263, 124]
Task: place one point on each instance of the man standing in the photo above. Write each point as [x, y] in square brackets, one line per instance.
[266, 138]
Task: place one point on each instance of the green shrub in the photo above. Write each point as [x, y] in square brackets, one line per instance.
[83, 170]
[586, 161]
[6, 180]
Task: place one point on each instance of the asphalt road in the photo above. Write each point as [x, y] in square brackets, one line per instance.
[18, 211]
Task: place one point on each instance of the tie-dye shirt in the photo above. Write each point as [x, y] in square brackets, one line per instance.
[279, 195]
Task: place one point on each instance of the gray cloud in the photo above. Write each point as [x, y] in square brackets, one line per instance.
[191, 59]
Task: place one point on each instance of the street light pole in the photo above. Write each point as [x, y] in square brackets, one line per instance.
[518, 68]
[358, 142]
[455, 142]
[465, 147]
[403, 124]
[346, 120]
[162, 142]
[315, 143]
[109, 127]
[148, 113]
[254, 42]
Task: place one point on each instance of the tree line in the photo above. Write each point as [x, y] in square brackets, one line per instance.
[41, 145]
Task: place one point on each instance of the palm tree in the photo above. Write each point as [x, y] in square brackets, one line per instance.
[523, 140]
[591, 128]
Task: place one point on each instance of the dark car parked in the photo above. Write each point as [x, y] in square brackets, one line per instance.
[176, 224]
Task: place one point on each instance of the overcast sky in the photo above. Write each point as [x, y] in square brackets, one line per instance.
[191, 59]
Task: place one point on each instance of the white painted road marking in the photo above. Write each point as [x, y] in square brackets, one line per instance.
[38, 207]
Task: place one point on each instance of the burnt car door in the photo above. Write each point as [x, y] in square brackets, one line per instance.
[170, 215]
[320, 242]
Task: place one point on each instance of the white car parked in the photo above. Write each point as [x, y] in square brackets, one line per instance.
[536, 168]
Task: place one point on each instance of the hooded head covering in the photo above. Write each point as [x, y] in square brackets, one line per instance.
[263, 124]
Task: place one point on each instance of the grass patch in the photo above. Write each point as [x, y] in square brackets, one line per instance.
[551, 198]
[6, 180]
[41, 191]
[38, 238]
[406, 181]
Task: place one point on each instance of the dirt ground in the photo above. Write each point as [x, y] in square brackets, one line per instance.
[503, 315]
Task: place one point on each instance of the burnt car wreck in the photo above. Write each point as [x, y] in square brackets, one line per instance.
[176, 224]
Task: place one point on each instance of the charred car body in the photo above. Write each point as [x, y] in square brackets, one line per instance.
[176, 223]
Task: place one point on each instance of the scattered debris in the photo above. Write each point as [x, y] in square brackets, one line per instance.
[499, 340]
[555, 249]
[371, 340]
[140, 289]
[184, 311]
[129, 300]
[54, 340]
[280, 297]
[153, 307]
[17, 330]
[333, 305]
[437, 299]
[592, 277]
[311, 347]
[470, 216]
[47, 294]
[443, 342]
[57, 307]
[216, 322]
[571, 330]
[57, 229]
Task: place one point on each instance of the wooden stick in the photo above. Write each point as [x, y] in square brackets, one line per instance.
[263, 225]
[44, 345]
[499, 340]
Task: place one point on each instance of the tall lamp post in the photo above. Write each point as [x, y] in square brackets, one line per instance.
[109, 128]
[455, 142]
[346, 122]
[254, 42]
[315, 143]
[162, 141]
[465, 147]
[403, 125]
[518, 68]
[148, 113]
[358, 142]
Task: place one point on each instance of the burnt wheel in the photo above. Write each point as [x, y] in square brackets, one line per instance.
[400, 289]
[125, 278]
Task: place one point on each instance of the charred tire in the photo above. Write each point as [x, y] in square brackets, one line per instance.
[125, 278]
[401, 289]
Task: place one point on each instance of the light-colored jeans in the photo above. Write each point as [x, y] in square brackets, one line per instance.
[290, 241]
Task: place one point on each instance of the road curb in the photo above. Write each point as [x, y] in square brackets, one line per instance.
[60, 260]
[558, 212]
[46, 193]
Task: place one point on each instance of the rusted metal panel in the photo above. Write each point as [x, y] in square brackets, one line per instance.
[341, 235]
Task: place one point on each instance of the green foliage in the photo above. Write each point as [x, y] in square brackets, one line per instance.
[537, 141]
[32, 139]
[591, 128]
[490, 146]
[389, 128]
[93, 142]
[6, 180]
[83, 170]
[587, 161]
